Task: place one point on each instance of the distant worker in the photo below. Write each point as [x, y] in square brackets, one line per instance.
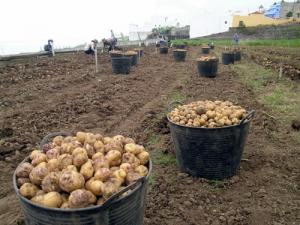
[110, 43]
[49, 47]
[211, 45]
[90, 48]
[161, 42]
[236, 39]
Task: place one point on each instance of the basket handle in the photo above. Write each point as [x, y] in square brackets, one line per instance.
[129, 187]
[45, 140]
[171, 104]
[248, 117]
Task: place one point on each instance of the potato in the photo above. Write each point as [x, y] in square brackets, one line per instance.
[22, 180]
[51, 182]
[97, 155]
[131, 159]
[65, 205]
[100, 162]
[132, 177]
[128, 141]
[57, 141]
[90, 150]
[102, 174]
[80, 157]
[24, 170]
[65, 160]
[37, 174]
[80, 198]
[143, 157]
[142, 170]
[38, 158]
[94, 186]
[114, 168]
[70, 168]
[99, 146]
[100, 201]
[120, 175]
[34, 153]
[53, 153]
[90, 139]
[99, 137]
[127, 167]
[69, 139]
[119, 138]
[53, 165]
[113, 157]
[113, 145]
[70, 181]
[80, 136]
[52, 200]
[68, 148]
[87, 170]
[47, 147]
[106, 140]
[133, 148]
[42, 164]
[28, 190]
[38, 199]
[109, 188]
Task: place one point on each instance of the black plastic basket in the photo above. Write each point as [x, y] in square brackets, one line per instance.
[211, 153]
[121, 65]
[208, 68]
[237, 56]
[227, 58]
[163, 50]
[179, 56]
[117, 210]
[205, 50]
[116, 54]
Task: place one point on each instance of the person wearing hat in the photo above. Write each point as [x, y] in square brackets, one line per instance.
[90, 48]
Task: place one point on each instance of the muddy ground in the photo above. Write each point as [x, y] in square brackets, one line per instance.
[38, 96]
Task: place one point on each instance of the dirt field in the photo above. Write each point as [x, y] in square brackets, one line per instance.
[44, 95]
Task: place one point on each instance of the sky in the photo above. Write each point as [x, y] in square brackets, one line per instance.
[26, 25]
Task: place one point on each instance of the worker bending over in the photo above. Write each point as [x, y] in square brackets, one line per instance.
[90, 48]
[49, 47]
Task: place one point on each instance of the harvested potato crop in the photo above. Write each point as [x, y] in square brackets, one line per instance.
[37, 174]
[81, 198]
[207, 58]
[51, 182]
[209, 114]
[28, 190]
[81, 171]
[70, 181]
[52, 199]
[24, 170]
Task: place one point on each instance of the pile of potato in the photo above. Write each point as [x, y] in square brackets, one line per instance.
[208, 114]
[130, 53]
[207, 58]
[179, 50]
[81, 171]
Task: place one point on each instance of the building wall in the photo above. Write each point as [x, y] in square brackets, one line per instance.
[289, 7]
[258, 19]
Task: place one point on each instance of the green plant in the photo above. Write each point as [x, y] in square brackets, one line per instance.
[164, 159]
[289, 14]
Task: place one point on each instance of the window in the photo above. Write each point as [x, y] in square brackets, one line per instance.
[298, 15]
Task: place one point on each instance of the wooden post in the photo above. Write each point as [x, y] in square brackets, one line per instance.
[96, 60]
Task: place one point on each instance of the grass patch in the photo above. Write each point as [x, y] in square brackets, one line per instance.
[219, 42]
[153, 140]
[280, 96]
[164, 159]
[176, 96]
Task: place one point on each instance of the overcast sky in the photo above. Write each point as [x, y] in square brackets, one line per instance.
[27, 24]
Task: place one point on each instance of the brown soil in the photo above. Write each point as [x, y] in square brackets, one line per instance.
[41, 96]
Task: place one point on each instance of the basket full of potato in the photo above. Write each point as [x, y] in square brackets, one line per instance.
[97, 178]
[209, 137]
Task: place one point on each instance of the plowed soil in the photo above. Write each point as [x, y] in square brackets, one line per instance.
[43, 95]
